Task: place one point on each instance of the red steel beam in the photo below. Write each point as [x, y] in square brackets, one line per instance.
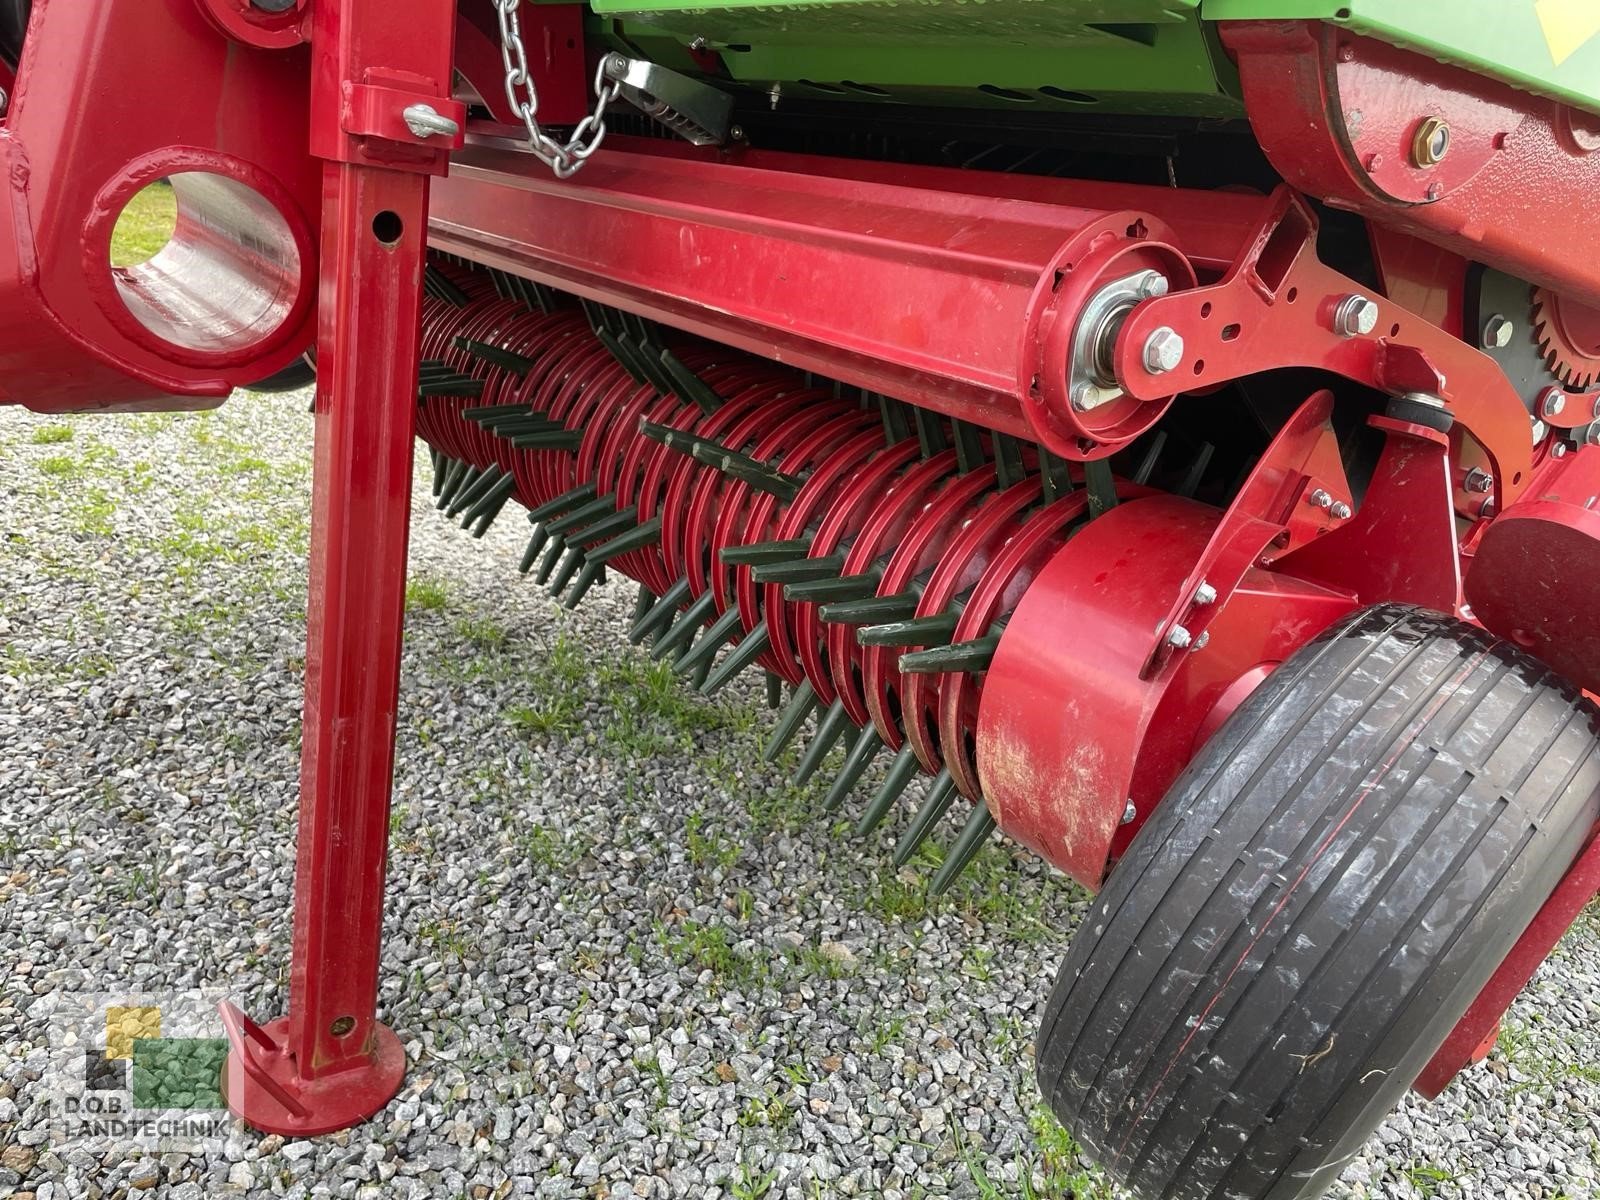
[917, 282]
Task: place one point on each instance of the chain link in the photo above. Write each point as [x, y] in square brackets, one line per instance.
[564, 158]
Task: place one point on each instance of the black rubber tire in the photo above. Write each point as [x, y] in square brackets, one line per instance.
[1306, 916]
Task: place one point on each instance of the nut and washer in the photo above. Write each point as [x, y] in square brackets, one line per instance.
[1179, 638]
[1498, 332]
[1163, 351]
[1205, 595]
[1355, 316]
[1340, 511]
[1321, 498]
[1431, 143]
[1477, 482]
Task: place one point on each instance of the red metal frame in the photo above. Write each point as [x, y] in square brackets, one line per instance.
[330, 1062]
[1337, 114]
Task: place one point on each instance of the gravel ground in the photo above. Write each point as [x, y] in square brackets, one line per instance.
[627, 958]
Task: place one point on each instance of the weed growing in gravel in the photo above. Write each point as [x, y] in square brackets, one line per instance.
[708, 849]
[749, 1186]
[652, 1070]
[425, 595]
[1527, 1050]
[707, 947]
[547, 715]
[482, 632]
[1059, 1164]
[50, 435]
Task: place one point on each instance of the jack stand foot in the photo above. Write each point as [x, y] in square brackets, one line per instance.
[262, 1082]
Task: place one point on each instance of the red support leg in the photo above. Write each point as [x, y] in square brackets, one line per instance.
[330, 1063]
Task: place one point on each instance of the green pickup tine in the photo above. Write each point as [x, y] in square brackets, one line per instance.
[933, 807]
[535, 544]
[1158, 443]
[893, 413]
[662, 612]
[608, 527]
[752, 647]
[636, 538]
[797, 570]
[442, 286]
[687, 625]
[973, 835]
[1102, 487]
[554, 439]
[1054, 477]
[800, 706]
[873, 610]
[1197, 470]
[901, 772]
[774, 690]
[764, 552]
[452, 480]
[495, 355]
[622, 353]
[1007, 460]
[855, 765]
[488, 516]
[710, 642]
[450, 385]
[761, 477]
[587, 515]
[936, 630]
[563, 502]
[567, 500]
[591, 574]
[690, 386]
[495, 496]
[552, 555]
[832, 591]
[969, 447]
[962, 656]
[829, 730]
[477, 490]
[570, 562]
[643, 602]
[930, 430]
[489, 412]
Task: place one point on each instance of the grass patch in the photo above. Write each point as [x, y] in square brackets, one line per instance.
[144, 226]
[426, 595]
[51, 435]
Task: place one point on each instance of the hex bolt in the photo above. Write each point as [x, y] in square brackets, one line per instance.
[1487, 509]
[1129, 813]
[1540, 431]
[1477, 482]
[1560, 450]
[1592, 438]
[1179, 638]
[1154, 284]
[1163, 351]
[1355, 316]
[425, 121]
[1431, 143]
[1205, 595]
[1553, 403]
[5, 99]
[1201, 642]
[1320, 498]
[1498, 332]
[1340, 511]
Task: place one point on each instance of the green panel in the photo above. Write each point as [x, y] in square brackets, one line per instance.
[1547, 46]
[1136, 56]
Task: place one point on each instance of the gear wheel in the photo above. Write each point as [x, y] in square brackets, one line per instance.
[1569, 337]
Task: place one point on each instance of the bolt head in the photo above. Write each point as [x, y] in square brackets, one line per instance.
[1321, 498]
[1205, 595]
[1154, 284]
[1540, 431]
[1355, 316]
[1179, 638]
[1129, 813]
[1498, 332]
[1477, 481]
[1592, 438]
[1560, 450]
[1201, 642]
[1554, 402]
[1163, 351]
[1340, 511]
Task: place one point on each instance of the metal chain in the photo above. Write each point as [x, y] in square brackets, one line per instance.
[564, 158]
